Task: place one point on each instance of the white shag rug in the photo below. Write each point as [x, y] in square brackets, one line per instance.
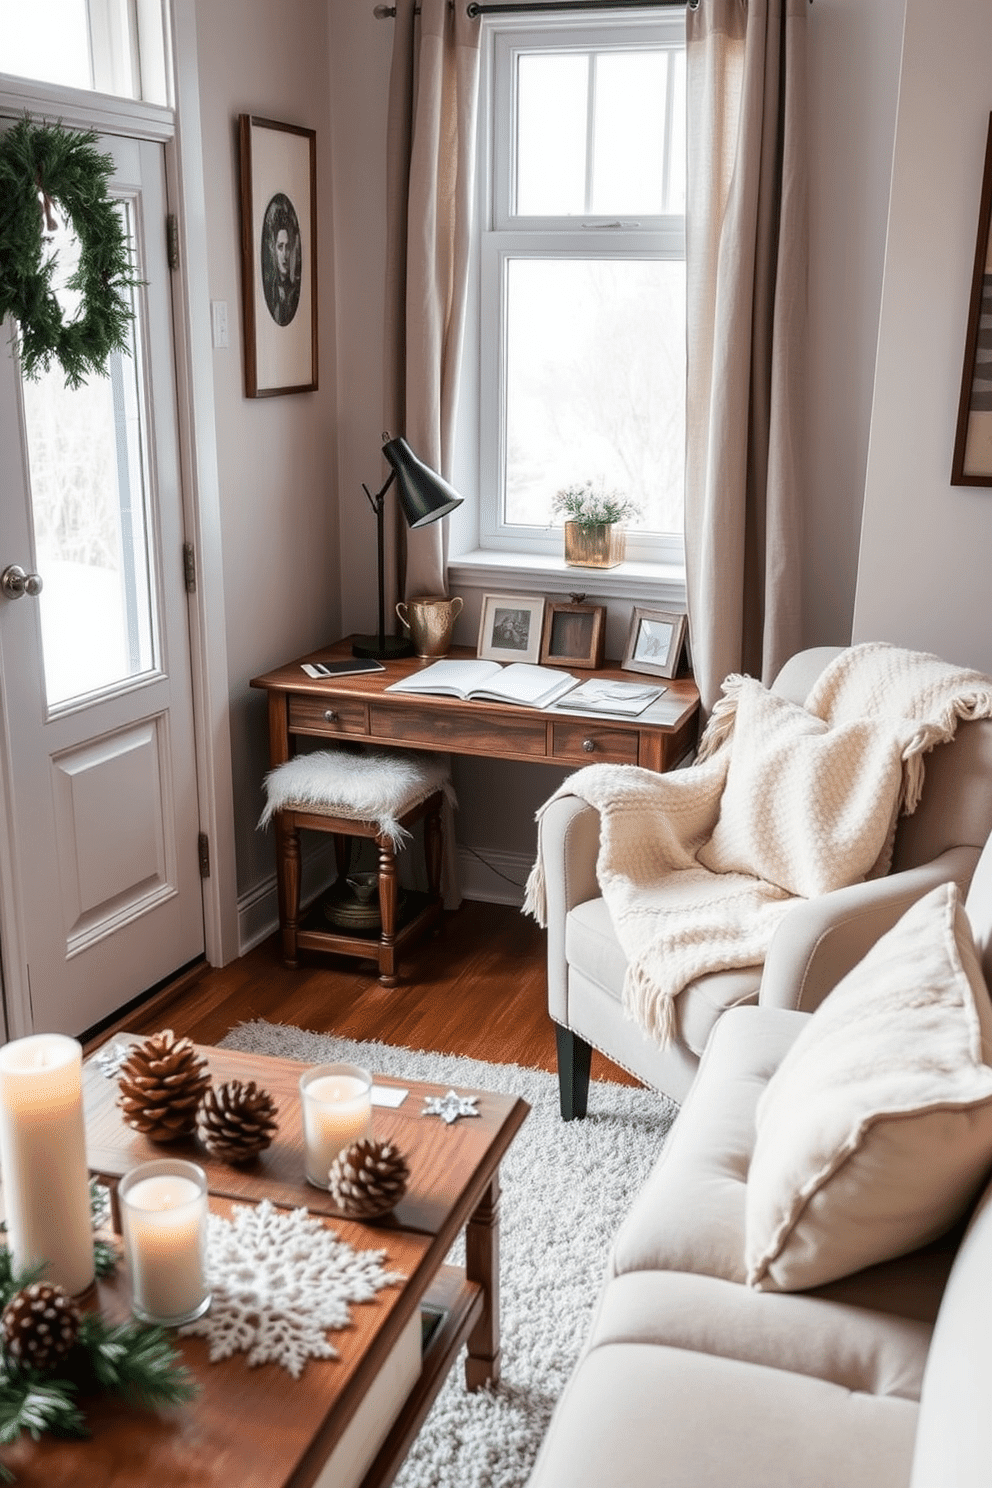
[566, 1188]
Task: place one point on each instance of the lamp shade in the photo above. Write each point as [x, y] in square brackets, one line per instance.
[424, 496]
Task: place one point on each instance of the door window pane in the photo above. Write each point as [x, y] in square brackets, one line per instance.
[88, 492]
[595, 384]
[47, 40]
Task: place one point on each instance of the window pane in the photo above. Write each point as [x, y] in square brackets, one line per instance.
[47, 40]
[88, 497]
[552, 96]
[676, 142]
[595, 385]
[629, 133]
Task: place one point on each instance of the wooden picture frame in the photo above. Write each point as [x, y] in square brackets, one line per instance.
[510, 627]
[278, 256]
[574, 634]
[972, 462]
[656, 642]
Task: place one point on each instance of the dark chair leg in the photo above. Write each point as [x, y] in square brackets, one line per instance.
[574, 1057]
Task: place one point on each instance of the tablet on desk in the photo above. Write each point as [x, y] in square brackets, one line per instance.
[348, 668]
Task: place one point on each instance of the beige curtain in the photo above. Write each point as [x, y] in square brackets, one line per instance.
[746, 240]
[430, 169]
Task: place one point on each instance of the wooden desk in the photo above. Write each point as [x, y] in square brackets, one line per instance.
[359, 708]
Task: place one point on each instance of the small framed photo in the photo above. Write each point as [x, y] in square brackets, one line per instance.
[278, 256]
[656, 642]
[511, 627]
[972, 461]
[574, 634]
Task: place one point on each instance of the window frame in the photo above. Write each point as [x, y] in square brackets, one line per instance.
[503, 235]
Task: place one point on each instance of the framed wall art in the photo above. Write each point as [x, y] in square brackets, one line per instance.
[656, 642]
[279, 256]
[972, 463]
[574, 634]
[510, 628]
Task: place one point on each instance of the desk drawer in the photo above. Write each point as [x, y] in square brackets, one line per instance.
[456, 728]
[588, 742]
[327, 715]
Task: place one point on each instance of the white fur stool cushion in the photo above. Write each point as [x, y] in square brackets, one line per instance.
[375, 785]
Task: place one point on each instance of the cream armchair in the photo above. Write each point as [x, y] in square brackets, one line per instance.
[941, 841]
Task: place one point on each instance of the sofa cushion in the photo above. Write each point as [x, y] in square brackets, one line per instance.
[856, 1347]
[875, 1132]
[636, 1414]
[805, 806]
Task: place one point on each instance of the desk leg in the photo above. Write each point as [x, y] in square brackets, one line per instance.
[433, 844]
[288, 883]
[387, 913]
[482, 1265]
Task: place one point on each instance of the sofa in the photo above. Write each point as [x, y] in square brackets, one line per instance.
[586, 966]
[718, 1356]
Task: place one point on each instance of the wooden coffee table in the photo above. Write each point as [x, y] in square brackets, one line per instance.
[260, 1428]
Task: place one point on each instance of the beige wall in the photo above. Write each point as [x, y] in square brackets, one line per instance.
[923, 578]
[275, 455]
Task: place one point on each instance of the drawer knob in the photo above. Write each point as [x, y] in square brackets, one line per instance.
[330, 716]
[589, 745]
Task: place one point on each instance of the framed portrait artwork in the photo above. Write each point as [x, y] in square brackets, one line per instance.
[510, 627]
[972, 463]
[279, 256]
[574, 634]
[656, 642]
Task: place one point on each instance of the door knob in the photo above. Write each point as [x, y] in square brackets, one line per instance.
[14, 582]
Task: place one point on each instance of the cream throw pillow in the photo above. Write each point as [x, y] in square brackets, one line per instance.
[806, 807]
[875, 1131]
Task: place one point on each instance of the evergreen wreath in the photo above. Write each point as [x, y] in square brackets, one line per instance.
[130, 1359]
[43, 165]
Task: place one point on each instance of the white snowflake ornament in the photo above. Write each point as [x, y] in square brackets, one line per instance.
[449, 1107]
[279, 1280]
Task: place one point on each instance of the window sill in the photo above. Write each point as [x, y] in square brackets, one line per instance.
[539, 573]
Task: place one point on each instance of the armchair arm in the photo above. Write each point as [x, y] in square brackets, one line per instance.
[569, 845]
[821, 939]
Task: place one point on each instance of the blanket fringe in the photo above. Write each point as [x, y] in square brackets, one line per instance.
[651, 1008]
[535, 895]
[720, 724]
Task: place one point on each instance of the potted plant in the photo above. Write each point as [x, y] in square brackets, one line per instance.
[594, 534]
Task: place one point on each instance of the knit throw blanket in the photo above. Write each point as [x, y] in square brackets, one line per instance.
[698, 867]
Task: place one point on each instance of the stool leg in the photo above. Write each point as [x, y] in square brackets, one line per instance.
[288, 883]
[433, 842]
[342, 854]
[387, 912]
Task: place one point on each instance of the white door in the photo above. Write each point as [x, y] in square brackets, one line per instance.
[101, 894]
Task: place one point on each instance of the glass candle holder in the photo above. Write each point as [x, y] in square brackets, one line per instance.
[164, 1213]
[337, 1110]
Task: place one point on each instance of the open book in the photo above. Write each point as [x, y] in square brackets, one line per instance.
[488, 681]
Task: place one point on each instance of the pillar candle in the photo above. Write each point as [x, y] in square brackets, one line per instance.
[164, 1211]
[337, 1110]
[43, 1158]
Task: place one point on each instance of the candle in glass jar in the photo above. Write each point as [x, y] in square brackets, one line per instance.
[43, 1159]
[164, 1222]
[337, 1110]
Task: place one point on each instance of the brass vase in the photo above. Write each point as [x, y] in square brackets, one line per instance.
[594, 545]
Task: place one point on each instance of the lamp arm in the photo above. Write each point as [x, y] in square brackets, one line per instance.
[378, 503]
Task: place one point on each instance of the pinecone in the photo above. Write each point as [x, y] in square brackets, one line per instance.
[236, 1122]
[39, 1325]
[161, 1083]
[368, 1178]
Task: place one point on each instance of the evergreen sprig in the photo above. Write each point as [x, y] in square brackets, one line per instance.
[64, 169]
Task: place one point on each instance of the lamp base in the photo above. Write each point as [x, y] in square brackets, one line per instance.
[391, 649]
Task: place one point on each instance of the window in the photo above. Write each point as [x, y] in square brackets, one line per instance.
[119, 47]
[583, 275]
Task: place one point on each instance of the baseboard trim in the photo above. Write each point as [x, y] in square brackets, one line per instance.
[499, 879]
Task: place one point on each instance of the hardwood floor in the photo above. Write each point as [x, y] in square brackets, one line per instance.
[477, 988]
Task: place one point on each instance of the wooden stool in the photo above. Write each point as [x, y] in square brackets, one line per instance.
[379, 795]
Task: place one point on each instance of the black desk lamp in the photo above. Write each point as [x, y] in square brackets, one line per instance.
[424, 496]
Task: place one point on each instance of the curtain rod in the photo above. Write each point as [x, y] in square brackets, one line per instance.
[384, 12]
